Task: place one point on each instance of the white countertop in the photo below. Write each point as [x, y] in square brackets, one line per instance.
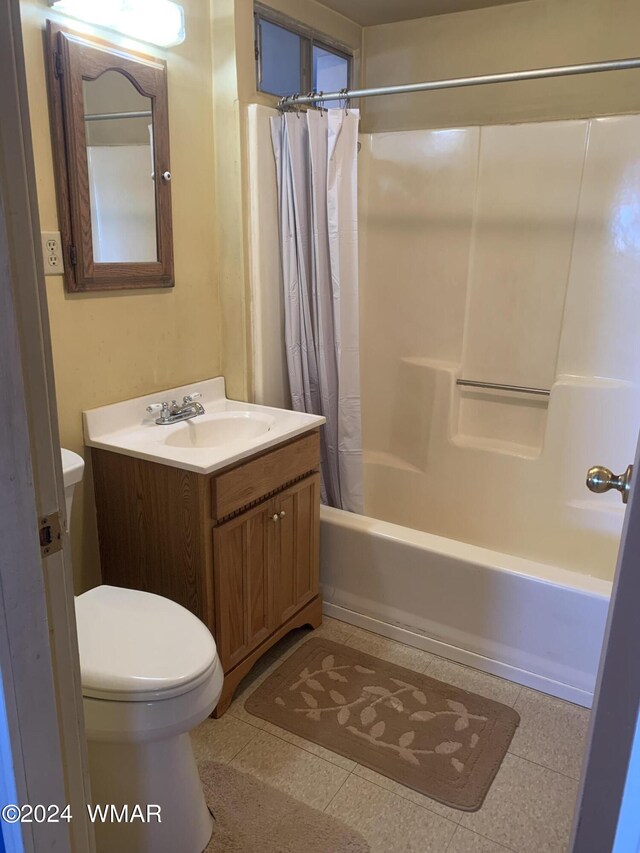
[129, 429]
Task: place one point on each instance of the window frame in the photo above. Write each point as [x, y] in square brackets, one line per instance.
[309, 38]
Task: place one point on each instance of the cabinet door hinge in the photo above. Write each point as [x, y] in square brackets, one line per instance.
[58, 65]
[73, 255]
[50, 535]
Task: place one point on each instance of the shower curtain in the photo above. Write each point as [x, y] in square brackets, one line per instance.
[316, 164]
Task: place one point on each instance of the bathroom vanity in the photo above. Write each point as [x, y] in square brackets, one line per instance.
[219, 513]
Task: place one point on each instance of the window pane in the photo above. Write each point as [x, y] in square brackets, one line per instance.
[280, 58]
[330, 73]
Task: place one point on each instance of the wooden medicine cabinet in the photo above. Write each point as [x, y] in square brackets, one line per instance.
[110, 129]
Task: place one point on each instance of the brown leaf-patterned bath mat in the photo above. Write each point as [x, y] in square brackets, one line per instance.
[250, 816]
[440, 740]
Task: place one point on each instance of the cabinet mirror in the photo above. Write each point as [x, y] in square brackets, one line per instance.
[113, 179]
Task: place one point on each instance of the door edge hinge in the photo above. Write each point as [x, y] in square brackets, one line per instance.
[50, 534]
[59, 67]
[73, 255]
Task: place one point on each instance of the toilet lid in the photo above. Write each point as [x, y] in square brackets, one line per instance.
[135, 645]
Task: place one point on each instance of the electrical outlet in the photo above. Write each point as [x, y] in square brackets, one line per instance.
[52, 253]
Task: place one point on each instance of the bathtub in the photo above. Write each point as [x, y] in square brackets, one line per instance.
[532, 623]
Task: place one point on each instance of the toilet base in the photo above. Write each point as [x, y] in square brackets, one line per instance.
[157, 773]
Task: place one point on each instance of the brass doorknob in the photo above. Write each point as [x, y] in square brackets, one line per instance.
[600, 480]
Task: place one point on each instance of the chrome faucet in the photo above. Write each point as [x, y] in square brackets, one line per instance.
[174, 412]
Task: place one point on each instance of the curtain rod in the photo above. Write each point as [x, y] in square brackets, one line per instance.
[459, 82]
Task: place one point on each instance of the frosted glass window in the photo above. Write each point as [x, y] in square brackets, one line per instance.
[330, 72]
[281, 61]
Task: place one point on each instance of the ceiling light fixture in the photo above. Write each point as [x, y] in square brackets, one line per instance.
[160, 22]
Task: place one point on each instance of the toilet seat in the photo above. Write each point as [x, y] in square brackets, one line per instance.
[139, 647]
[137, 722]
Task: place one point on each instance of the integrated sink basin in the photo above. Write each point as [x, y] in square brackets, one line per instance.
[227, 432]
[220, 429]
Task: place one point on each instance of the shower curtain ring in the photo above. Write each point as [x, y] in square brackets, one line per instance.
[310, 94]
[315, 94]
[345, 100]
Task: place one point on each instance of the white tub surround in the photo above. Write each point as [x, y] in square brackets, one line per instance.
[514, 260]
[532, 623]
[227, 432]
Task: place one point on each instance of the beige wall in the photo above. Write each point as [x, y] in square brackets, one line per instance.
[114, 346]
[234, 90]
[532, 34]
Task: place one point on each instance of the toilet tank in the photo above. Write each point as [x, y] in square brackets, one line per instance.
[72, 470]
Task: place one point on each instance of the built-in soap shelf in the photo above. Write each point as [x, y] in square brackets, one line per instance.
[390, 460]
[500, 420]
[429, 409]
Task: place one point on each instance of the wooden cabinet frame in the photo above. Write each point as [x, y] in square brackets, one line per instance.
[239, 548]
[266, 562]
[71, 59]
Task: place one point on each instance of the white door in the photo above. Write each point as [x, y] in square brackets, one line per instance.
[608, 811]
[42, 748]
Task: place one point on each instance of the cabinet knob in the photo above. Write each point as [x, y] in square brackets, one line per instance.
[275, 517]
[282, 514]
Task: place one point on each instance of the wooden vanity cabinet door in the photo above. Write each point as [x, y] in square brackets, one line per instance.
[241, 555]
[295, 574]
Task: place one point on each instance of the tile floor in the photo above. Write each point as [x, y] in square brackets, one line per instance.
[528, 809]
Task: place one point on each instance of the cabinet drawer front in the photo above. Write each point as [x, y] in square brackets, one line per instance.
[249, 482]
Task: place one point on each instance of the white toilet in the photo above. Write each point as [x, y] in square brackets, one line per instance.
[150, 673]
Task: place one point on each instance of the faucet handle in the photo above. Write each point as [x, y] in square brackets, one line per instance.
[158, 408]
[191, 398]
